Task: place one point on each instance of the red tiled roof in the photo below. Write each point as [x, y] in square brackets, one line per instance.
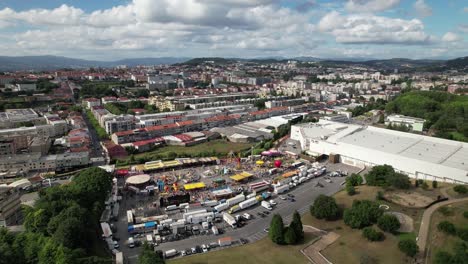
[124, 133]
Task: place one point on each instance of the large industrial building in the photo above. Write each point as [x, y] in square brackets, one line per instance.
[417, 156]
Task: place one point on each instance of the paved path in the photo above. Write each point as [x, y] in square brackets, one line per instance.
[312, 251]
[426, 221]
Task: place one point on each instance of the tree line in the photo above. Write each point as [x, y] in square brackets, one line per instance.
[62, 226]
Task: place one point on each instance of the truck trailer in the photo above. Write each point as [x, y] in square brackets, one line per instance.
[281, 189]
[229, 219]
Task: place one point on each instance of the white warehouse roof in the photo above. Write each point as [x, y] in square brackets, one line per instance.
[417, 155]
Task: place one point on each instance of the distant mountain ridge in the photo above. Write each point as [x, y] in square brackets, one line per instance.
[48, 62]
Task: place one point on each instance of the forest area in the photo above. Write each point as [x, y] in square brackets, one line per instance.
[446, 114]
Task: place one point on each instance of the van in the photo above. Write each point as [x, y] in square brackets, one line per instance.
[131, 242]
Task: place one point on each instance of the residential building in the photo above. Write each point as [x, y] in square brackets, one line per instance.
[10, 206]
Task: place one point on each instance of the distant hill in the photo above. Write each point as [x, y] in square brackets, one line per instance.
[56, 62]
[390, 64]
[457, 63]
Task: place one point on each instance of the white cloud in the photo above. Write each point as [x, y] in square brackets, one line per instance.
[422, 9]
[63, 15]
[370, 6]
[451, 37]
[373, 29]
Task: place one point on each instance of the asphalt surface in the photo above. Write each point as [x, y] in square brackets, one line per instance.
[304, 195]
[97, 150]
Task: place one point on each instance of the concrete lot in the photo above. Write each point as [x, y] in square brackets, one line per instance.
[304, 195]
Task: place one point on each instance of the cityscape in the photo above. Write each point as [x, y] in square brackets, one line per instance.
[234, 131]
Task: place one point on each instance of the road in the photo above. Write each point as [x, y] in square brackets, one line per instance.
[304, 194]
[97, 150]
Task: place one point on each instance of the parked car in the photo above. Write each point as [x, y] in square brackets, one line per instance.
[194, 251]
[282, 198]
[204, 248]
[198, 249]
[243, 241]
[266, 230]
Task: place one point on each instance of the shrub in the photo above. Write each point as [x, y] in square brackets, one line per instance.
[388, 223]
[276, 232]
[362, 213]
[463, 233]
[325, 207]
[461, 189]
[424, 186]
[434, 184]
[409, 247]
[350, 189]
[447, 227]
[465, 214]
[372, 235]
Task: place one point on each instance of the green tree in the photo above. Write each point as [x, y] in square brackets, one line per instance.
[447, 227]
[354, 179]
[148, 256]
[409, 247]
[276, 232]
[362, 213]
[388, 223]
[290, 237]
[296, 225]
[372, 235]
[434, 184]
[325, 207]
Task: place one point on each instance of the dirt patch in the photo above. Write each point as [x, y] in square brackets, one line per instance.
[409, 199]
[406, 222]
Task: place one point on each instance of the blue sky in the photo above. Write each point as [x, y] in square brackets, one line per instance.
[115, 29]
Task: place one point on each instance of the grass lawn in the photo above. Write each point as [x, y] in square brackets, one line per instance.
[216, 147]
[260, 252]
[351, 247]
[439, 240]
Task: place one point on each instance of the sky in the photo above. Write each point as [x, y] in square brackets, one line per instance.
[117, 29]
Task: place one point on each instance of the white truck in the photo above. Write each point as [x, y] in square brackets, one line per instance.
[194, 212]
[221, 207]
[266, 205]
[170, 253]
[235, 200]
[248, 203]
[198, 218]
[172, 207]
[210, 203]
[281, 189]
[234, 209]
[229, 219]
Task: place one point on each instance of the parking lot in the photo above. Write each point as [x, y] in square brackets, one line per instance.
[302, 196]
